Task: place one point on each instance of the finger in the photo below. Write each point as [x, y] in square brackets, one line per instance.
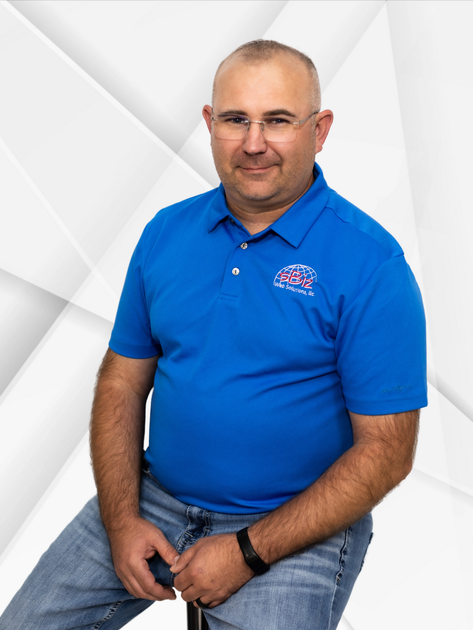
[199, 601]
[182, 582]
[213, 604]
[182, 561]
[145, 585]
[164, 548]
[156, 592]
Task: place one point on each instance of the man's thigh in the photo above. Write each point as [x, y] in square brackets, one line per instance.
[307, 591]
[74, 584]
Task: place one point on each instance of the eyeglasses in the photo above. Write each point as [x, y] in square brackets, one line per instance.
[274, 128]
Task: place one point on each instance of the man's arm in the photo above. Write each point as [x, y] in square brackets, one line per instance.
[380, 458]
[116, 441]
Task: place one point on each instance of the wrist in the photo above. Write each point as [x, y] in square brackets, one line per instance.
[116, 524]
[252, 559]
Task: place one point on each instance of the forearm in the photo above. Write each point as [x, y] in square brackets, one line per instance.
[347, 491]
[116, 440]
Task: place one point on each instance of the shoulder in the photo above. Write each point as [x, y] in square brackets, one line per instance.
[356, 229]
[183, 211]
[172, 221]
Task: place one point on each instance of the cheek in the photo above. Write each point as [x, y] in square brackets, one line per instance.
[221, 154]
[305, 154]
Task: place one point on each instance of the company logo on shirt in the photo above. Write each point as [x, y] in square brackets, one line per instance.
[296, 278]
[398, 388]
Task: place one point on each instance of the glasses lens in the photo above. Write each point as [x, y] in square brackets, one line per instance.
[235, 128]
[230, 127]
[279, 130]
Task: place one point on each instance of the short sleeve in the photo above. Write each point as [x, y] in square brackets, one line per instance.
[381, 344]
[131, 334]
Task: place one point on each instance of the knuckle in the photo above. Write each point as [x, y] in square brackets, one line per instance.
[196, 571]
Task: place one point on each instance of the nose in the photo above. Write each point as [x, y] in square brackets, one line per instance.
[254, 141]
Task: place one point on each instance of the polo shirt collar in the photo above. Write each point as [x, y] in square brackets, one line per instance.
[294, 224]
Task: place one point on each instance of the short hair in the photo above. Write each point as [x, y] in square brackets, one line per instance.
[265, 49]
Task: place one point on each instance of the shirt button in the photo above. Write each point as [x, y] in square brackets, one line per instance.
[244, 245]
[235, 271]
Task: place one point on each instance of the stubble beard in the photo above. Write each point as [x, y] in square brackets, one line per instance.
[244, 190]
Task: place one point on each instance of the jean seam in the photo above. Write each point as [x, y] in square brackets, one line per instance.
[108, 616]
[364, 555]
[338, 577]
[207, 523]
[184, 539]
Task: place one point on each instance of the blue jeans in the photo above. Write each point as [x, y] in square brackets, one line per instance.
[74, 584]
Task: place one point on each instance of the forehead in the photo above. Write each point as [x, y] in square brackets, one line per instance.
[254, 87]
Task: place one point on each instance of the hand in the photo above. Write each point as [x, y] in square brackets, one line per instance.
[131, 547]
[212, 569]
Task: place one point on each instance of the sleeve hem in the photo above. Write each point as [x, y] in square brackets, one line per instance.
[132, 352]
[385, 407]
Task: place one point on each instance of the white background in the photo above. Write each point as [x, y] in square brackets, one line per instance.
[100, 127]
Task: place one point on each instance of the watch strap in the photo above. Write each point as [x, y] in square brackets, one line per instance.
[251, 557]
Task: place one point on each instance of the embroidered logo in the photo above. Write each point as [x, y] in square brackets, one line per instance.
[297, 278]
[398, 388]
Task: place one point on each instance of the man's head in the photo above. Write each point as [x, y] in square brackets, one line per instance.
[266, 81]
[261, 50]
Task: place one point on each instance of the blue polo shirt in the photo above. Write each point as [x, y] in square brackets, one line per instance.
[266, 341]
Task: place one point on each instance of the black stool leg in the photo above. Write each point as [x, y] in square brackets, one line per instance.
[195, 618]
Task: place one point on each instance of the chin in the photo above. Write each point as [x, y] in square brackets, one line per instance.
[259, 196]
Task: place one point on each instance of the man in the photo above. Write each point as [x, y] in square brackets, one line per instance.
[284, 335]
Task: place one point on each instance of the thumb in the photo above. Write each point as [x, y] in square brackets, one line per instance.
[165, 549]
[181, 562]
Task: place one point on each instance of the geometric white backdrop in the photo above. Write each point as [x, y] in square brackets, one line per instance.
[100, 128]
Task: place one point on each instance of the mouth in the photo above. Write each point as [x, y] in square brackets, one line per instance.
[256, 169]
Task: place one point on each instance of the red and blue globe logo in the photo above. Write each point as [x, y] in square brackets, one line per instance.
[298, 278]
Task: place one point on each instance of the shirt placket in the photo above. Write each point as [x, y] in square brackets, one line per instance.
[236, 265]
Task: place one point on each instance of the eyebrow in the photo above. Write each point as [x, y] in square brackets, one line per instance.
[273, 112]
[279, 112]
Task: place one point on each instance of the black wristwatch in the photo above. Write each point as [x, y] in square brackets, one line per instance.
[252, 559]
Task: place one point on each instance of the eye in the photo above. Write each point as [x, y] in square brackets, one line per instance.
[277, 122]
[235, 120]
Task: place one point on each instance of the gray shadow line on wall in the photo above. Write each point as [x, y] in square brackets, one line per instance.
[145, 112]
[450, 394]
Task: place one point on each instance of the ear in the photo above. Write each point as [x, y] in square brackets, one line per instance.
[207, 114]
[324, 121]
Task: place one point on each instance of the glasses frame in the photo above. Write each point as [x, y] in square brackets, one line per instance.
[263, 124]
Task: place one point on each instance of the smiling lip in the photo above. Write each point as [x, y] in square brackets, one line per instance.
[256, 169]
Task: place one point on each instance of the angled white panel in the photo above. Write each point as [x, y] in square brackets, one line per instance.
[45, 411]
[411, 574]
[26, 314]
[92, 163]
[66, 494]
[432, 50]
[156, 58]
[325, 30]
[32, 244]
[175, 184]
[446, 444]
[364, 157]
[196, 150]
